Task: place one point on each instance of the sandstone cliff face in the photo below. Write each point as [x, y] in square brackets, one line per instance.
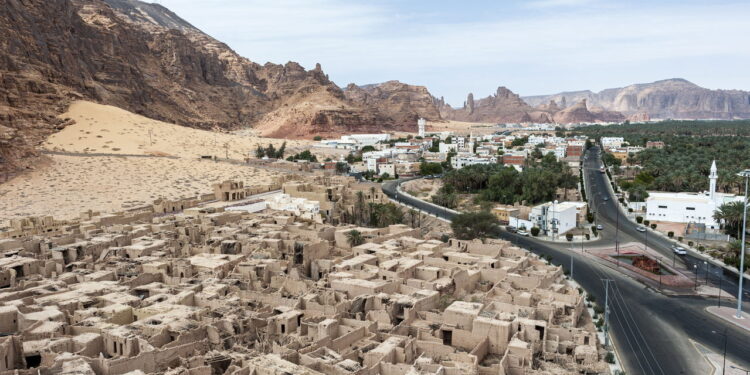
[403, 104]
[503, 107]
[672, 98]
[507, 107]
[144, 58]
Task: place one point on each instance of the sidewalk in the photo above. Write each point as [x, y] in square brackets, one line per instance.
[693, 251]
[729, 314]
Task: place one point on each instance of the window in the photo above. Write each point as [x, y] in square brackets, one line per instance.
[662, 206]
[690, 208]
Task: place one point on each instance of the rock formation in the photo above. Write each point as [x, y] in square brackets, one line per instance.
[671, 98]
[145, 59]
[507, 107]
[401, 103]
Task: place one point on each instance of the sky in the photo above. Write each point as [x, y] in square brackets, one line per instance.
[455, 47]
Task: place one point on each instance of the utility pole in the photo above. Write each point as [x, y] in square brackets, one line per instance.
[571, 266]
[746, 175]
[606, 312]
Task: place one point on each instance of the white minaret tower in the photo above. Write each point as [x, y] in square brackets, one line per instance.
[420, 125]
[712, 177]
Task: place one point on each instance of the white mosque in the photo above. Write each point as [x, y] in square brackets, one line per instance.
[695, 208]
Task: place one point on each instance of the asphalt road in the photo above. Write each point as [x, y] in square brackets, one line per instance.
[607, 214]
[650, 330]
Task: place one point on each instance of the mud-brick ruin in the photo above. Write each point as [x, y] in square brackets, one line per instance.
[195, 287]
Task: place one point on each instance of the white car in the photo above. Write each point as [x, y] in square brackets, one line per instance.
[679, 250]
[523, 233]
[600, 227]
[640, 229]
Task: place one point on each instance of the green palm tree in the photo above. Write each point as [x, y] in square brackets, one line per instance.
[731, 213]
[354, 238]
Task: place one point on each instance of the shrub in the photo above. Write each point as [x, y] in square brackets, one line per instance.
[690, 243]
[588, 237]
[590, 217]
[621, 199]
[670, 234]
[535, 231]
[701, 248]
[609, 357]
[639, 219]
[653, 226]
[569, 236]
[598, 309]
[646, 222]
[595, 232]
[630, 210]
[317, 138]
[679, 239]
[471, 225]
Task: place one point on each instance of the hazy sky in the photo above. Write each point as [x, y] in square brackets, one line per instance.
[456, 47]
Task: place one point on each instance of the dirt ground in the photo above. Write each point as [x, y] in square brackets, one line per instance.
[423, 188]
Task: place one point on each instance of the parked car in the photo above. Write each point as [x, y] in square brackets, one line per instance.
[640, 229]
[600, 227]
[523, 233]
[511, 229]
[679, 250]
[606, 199]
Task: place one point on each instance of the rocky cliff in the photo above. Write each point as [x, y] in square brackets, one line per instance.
[507, 107]
[144, 58]
[671, 98]
[403, 104]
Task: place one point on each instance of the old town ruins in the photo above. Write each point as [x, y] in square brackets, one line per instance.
[273, 280]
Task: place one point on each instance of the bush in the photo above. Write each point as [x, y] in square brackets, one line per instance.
[621, 199]
[639, 219]
[701, 248]
[534, 231]
[588, 237]
[590, 217]
[317, 138]
[609, 357]
[670, 234]
[679, 239]
[690, 243]
[594, 231]
[653, 226]
[630, 210]
[646, 222]
[598, 309]
[471, 225]
[569, 236]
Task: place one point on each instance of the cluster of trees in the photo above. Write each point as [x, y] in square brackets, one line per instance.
[304, 155]
[270, 151]
[426, 169]
[731, 215]
[691, 146]
[471, 225]
[372, 214]
[538, 182]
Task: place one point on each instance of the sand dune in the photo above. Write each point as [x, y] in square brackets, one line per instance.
[106, 129]
[70, 184]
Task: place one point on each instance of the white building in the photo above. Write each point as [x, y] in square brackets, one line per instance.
[463, 160]
[553, 218]
[612, 142]
[300, 207]
[688, 207]
[445, 148]
[420, 126]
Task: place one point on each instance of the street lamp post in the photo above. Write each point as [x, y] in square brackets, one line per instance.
[695, 268]
[746, 175]
[720, 278]
[706, 264]
[724, 363]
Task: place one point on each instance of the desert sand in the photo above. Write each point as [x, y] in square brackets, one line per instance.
[81, 178]
[106, 129]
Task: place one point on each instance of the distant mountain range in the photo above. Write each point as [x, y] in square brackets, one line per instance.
[144, 58]
[671, 98]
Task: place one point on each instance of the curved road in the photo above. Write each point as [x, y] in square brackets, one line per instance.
[651, 331]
